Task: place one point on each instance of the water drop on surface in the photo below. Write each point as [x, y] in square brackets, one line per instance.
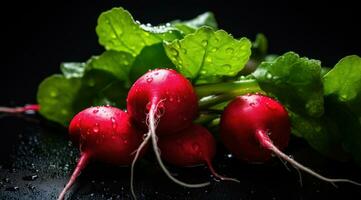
[227, 66]
[252, 104]
[204, 42]
[30, 178]
[171, 99]
[149, 80]
[209, 59]
[95, 111]
[214, 49]
[7, 180]
[184, 51]
[229, 155]
[12, 189]
[174, 52]
[229, 50]
[271, 106]
[203, 72]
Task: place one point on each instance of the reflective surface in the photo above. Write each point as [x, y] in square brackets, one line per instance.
[37, 159]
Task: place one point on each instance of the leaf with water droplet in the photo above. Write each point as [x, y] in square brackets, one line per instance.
[190, 26]
[118, 31]
[298, 85]
[207, 51]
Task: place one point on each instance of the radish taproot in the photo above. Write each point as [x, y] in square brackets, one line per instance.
[254, 127]
[163, 102]
[105, 134]
[24, 109]
[192, 146]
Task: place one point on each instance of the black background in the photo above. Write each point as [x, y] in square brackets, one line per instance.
[37, 36]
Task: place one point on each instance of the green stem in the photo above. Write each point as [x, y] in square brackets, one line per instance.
[241, 86]
[205, 118]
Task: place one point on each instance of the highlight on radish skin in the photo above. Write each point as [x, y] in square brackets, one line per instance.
[105, 134]
[254, 126]
[163, 102]
[192, 146]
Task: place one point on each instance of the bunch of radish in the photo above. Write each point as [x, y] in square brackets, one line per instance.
[161, 108]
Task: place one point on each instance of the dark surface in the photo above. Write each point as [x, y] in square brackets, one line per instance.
[37, 159]
[38, 36]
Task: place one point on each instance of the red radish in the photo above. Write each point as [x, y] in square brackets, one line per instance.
[162, 100]
[254, 126]
[105, 134]
[26, 108]
[192, 146]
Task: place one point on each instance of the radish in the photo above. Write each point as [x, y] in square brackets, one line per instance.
[254, 127]
[26, 108]
[104, 134]
[162, 101]
[194, 145]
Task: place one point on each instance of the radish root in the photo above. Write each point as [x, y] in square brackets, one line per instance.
[215, 174]
[26, 108]
[266, 142]
[152, 126]
[83, 161]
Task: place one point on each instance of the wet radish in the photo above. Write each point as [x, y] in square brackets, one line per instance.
[163, 102]
[192, 146]
[253, 127]
[104, 134]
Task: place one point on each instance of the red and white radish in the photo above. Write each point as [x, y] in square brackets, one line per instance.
[192, 146]
[254, 126]
[104, 134]
[164, 102]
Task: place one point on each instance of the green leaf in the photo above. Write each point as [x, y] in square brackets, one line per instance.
[344, 80]
[117, 63]
[259, 47]
[60, 98]
[72, 69]
[118, 31]
[342, 84]
[151, 57]
[190, 26]
[322, 134]
[207, 55]
[295, 81]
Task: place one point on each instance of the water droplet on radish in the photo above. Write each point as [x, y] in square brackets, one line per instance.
[149, 80]
[114, 124]
[204, 43]
[125, 141]
[271, 106]
[229, 50]
[195, 146]
[156, 73]
[95, 111]
[229, 155]
[252, 104]
[96, 128]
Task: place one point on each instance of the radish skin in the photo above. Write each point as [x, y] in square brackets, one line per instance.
[192, 146]
[254, 126]
[163, 102]
[104, 134]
